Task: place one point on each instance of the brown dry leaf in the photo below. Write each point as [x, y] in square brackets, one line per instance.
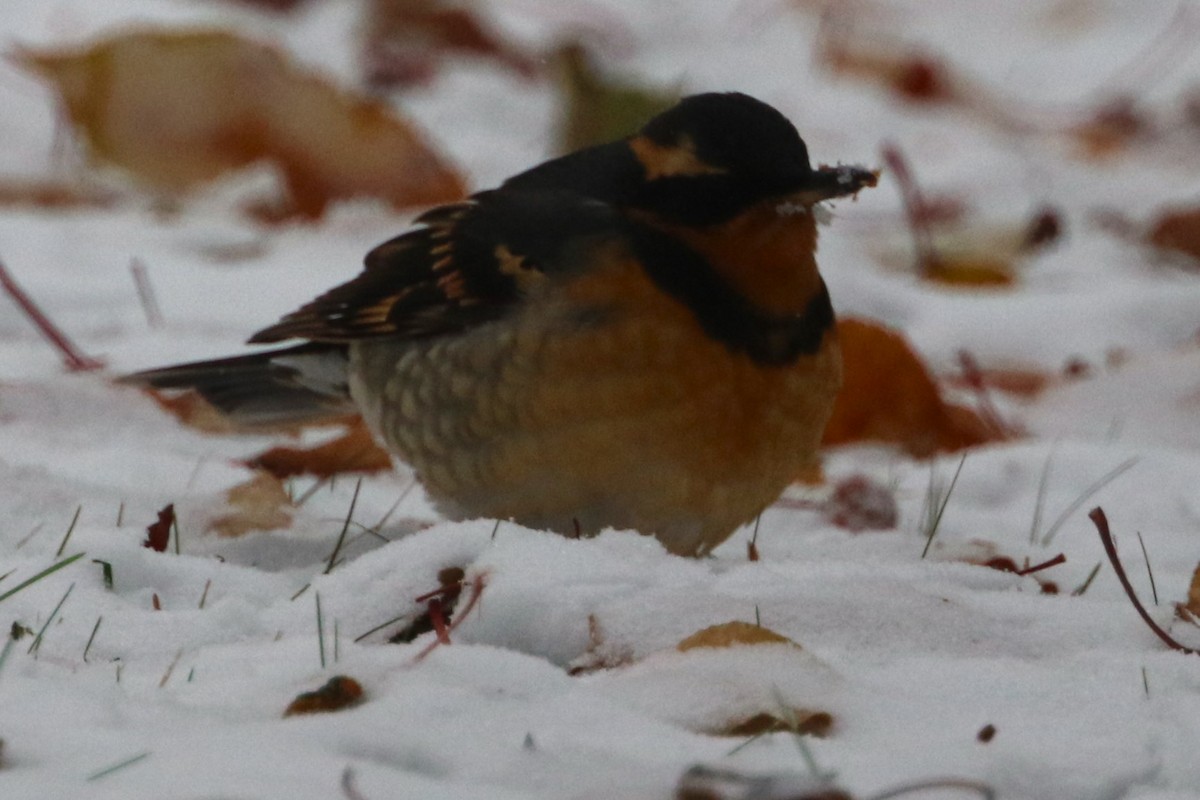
[912, 76]
[178, 108]
[1193, 601]
[353, 451]
[339, 692]
[1190, 610]
[860, 503]
[1177, 230]
[259, 504]
[406, 40]
[889, 396]
[192, 410]
[158, 533]
[728, 634]
[1111, 129]
[796, 720]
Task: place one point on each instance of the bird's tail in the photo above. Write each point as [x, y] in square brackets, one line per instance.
[294, 385]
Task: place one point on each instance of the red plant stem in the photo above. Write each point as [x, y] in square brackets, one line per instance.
[477, 586]
[914, 207]
[973, 375]
[438, 620]
[1096, 515]
[74, 360]
[1054, 562]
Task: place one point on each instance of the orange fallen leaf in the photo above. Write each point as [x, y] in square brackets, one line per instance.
[889, 396]
[259, 504]
[728, 634]
[176, 109]
[339, 692]
[192, 410]
[353, 451]
[1177, 230]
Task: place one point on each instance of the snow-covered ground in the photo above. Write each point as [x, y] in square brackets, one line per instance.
[912, 657]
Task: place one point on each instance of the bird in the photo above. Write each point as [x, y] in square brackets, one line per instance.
[631, 336]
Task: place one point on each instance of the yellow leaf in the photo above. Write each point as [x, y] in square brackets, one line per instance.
[728, 634]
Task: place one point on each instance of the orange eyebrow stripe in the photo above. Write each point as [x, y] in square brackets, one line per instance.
[670, 161]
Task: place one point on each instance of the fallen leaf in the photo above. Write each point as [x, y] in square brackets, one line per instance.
[974, 255]
[406, 40]
[859, 503]
[176, 109]
[1177, 230]
[338, 693]
[889, 396]
[796, 720]
[728, 634]
[353, 451]
[1109, 129]
[190, 408]
[1190, 610]
[259, 504]
[158, 533]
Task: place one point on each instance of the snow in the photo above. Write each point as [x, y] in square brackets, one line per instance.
[911, 656]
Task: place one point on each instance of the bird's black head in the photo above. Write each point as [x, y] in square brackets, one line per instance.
[713, 155]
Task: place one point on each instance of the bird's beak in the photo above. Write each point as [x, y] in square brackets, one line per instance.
[827, 183]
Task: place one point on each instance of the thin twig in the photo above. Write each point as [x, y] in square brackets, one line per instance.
[915, 208]
[170, 669]
[146, 296]
[380, 627]
[72, 357]
[1110, 548]
[1054, 562]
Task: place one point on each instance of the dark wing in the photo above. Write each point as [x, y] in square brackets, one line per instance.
[293, 385]
[468, 264]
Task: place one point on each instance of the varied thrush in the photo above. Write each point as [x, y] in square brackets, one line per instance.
[633, 336]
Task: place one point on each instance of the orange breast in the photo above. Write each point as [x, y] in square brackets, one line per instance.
[628, 416]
